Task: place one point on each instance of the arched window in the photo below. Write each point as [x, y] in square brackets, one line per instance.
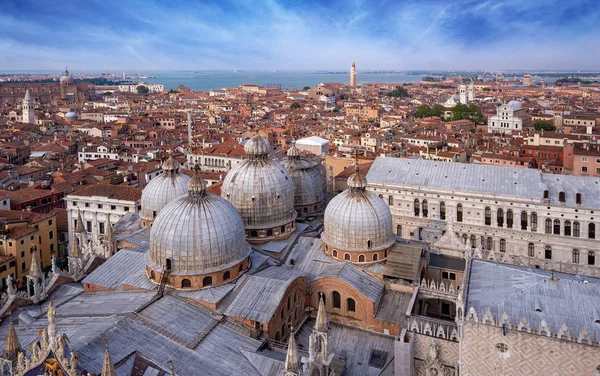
[576, 229]
[334, 253]
[556, 228]
[337, 300]
[488, 216]
[530, 250]
[509, 218]
[399, 230]
[361, 258]
[548, 253]
[381, 197]
[347, 256]
[490, 244]
[546, 195]
[548, 226]
[465, 237]
[575, 256]
[578, 198]
[473, 241]
[152, 275]
[523, 220]
[269, 232]
[416, 207]
[207, 281]
[459, 213]
[226, 276]
[500, 217]
[391, 200]
[375, 257]
[186, 283]
[168, 264]
[425, 209]
[369, 244]
[502, 245]
[591, 258]
[534, 221]
[562, 197]
[592, 231]
[567, 230]
[350, 305]
[253, 234]
[442, 210]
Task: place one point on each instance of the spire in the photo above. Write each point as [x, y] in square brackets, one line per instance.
[108, 369]
[79, 228]
[74, 248]
[291, 359]
[322, 323]
[353, 64]
[12, 348]
[357, 181]
[35, 271]
[170, 166]
[27, 95]
[109, 230]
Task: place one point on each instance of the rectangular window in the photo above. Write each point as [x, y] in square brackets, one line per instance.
[584, 159]
[127, 208]
[23, 266]
[51, 235]
[445, 309]
[453, 276]
[89, 226]
[22, 253]
[584, 169]
[444, 275]
[87, 204]
[51, 247]
[99, 206]
[113, 207]
[22, 241]
[101, 227]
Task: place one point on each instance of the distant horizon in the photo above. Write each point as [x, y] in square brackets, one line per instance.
[433, 35]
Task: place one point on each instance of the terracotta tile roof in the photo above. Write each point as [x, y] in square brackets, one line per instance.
[116, 192]
[27, 194]
[20, 231]
[18, 215]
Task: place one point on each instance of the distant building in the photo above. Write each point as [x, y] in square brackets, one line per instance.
[508, 118]
[28, 109]
[527, 81]
[314, 144]
[132, 88]
[462, 94]
[353, 74]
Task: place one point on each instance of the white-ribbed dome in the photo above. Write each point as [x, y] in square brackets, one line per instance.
[260, 189]
[66, 78]
[358, 220]
[163, 189]
[71, 115]
[199, 233]
[308, 178]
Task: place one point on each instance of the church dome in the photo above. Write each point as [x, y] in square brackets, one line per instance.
[309, 181]
[71, 115]
[358, 223]
[66, 78]
[515, 105]
[263, 192]
[200, 238]
[162, 189]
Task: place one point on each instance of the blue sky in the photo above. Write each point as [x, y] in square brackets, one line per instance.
[299, 35]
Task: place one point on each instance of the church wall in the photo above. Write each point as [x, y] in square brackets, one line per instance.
[448, 350]
[292, 315]
[528, 354]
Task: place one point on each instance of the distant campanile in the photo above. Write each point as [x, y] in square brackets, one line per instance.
[353, 74]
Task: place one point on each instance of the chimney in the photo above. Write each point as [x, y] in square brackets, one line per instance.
[29, 210]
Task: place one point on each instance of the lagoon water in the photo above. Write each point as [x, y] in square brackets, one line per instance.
[207, 80]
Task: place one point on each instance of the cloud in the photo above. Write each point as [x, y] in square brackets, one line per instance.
[308, 35]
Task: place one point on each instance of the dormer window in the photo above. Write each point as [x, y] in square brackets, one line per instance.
[546, 194]
[562, 197]
[578, 198]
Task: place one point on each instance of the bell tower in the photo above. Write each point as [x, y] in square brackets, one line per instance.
[353, 74]
[28, 109]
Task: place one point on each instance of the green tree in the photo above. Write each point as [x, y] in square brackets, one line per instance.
[295, 105]
[475, 114]
[398, 92]
[142, 89]
[423, 111]
[107, 93]
[438, 110]
[545, 125]
[471, 112]
[306, 88]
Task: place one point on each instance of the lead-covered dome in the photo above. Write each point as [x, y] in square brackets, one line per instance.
[263, 193]
[66, 78]
[358, 224]
[309, 181]
[199, 237]
[162, 189]
[515, 105]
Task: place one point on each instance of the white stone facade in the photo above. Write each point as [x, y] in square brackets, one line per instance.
[507, 119]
